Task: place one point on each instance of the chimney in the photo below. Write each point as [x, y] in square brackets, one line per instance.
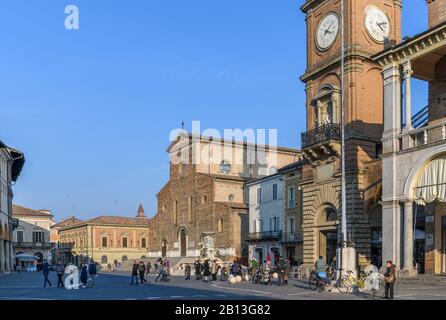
[437, 12]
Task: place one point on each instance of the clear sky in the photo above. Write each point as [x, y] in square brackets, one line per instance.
[92, 109]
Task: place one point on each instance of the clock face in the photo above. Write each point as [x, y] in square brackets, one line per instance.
[377, 24]
[327, 31]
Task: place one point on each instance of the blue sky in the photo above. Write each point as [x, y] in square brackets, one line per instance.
[92, 109]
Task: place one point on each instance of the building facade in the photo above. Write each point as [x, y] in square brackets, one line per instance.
[206, 197]
[11, 164]
[414, 150]
[266, 218]
[370, 26]
[105, 239]
[32, 235]
[292, 234]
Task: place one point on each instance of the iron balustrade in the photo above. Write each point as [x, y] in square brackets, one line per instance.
[293, 237]
[331, 131]
[265, 235]
[33, 245]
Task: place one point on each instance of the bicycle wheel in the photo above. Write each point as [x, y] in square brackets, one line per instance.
[344, 285]
[312, 282]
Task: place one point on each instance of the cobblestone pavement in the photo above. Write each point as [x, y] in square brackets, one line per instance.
[115, 286]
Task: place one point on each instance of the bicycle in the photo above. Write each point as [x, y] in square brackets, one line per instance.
[316, 283]
[348, 283]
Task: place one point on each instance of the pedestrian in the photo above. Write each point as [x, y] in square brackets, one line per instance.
[148, 267]
[135, 268]
[214, 270]
[46, 272]
[142, 272]
[84, 275]
[206, 271]
[390, 278]
[92, 271]
[197, 267]
[287, 272]
[115, 265]
[109, 267]
[162, 273]
[281, 271]
[60, 270]
[187, 271]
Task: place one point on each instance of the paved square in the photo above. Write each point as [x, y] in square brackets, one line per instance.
[115, 286]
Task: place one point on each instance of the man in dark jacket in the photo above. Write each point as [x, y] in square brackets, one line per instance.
[46, 272]
[135, 268]
[92, 270]
[142, 272]
[60, 270]
[390, 279]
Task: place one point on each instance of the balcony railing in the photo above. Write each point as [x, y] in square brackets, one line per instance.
[33, 245]
[331, 131]
[292, 237]
[272, 235]
[423, 136]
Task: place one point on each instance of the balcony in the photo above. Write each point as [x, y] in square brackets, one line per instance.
[293, 237]
[268, 235]
[33, 245]
[327, 132]
[423, 136]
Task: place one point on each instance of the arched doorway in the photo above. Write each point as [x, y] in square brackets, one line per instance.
[183, 240]
[164, 248]
[327, 233]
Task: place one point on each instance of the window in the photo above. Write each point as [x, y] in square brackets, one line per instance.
[275, 191]
[143, 243]
[231, 198]
[175, 212]
[204, 199]
[259, 195]
[124, 242]
[291, 197]
[220, 225]
[274, 224]
[104, 259]
[164, 208]
[331, 215]
[258, 225]
[291, 225]
[19, 236]
[38, 237]
[225, 167]
[190, 207]
[124, 258]
[104, 242]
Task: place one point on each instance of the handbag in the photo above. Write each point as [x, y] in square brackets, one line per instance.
[390, 279]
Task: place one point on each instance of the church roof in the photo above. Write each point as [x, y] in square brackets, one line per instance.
[141, 213]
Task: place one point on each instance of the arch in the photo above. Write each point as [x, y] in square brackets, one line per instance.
[422, 160]
[220, 225]
[327, 214]
[104, 259]
[124, 258]
[326, 195]
[182, 237]
[164, 245]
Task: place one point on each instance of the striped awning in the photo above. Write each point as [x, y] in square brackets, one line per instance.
[431, 183]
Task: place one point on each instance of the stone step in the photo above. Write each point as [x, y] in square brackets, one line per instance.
[435, 280]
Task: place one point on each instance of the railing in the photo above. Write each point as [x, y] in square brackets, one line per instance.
[320, 134]
[33, 245]
[292, 237]
[265, 235]
[424, 136]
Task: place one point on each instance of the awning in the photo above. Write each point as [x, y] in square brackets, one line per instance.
[26, 257]
[431, 183]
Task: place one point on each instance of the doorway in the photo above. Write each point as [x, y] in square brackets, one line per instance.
[328, 244]
[183, 243]
[259, 252]
[164, 249]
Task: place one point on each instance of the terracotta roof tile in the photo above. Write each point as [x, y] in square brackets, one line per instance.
[22, 211]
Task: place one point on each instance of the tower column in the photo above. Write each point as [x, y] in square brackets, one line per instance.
[407, 73]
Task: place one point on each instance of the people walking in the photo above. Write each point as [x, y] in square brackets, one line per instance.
[214, 270]
[46, 272]
[281, 271]
[142, 272]
[84, 275]
[148, 267]
[135, 268]
[206, 271]
[390, 278]
[92, 271]
[197, 267]
[187, 271]
[60, 270]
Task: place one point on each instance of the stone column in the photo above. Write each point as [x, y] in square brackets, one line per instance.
[407, 74]
[7, 257]
[392, 108]
[2, 256]
[11, 254]
[391, 232]
[408, 237]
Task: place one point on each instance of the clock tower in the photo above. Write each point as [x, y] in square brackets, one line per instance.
[369, 27]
